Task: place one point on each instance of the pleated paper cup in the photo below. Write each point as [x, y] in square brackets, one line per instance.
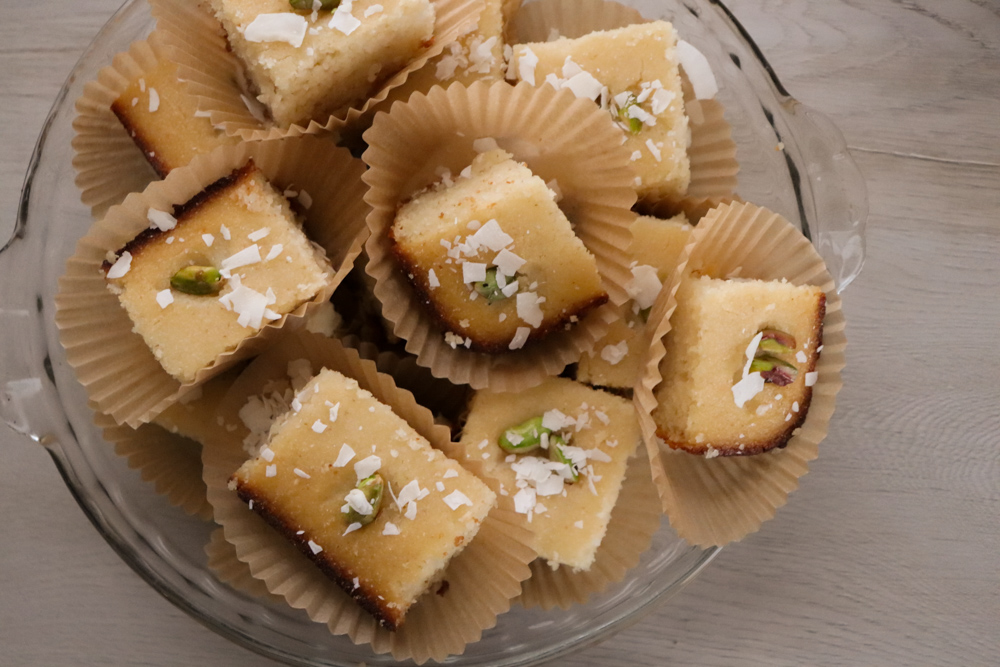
[559, 137]
[108, 164]
[634, 520]
[712, 151]
[171, 463]
[436, 626]
[114, 364]
[215, 76]
[445, 400]
[229, 569]
[711, 502]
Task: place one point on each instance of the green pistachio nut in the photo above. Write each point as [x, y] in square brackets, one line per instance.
[556, 453]
[523, 438]
[774, 370]
[490, 288]
[198, 280]
[307, 5]
[777, 342]
[373, 487]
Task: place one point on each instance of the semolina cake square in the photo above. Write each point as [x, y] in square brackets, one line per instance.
[633, 72]
[241, 231]
[306, 65]
[655, 248]
[601, 432]
[712, 401]
[319, 452]
[163, 120]
[494, 257]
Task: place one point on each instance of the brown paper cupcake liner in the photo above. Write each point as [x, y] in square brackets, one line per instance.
[214, 74]
[229, 569]
[712, 151]
[711, 502]
[108, 165]
[634, 519]
[482, 579]
[559, 137]
[171, 463]
[113, 363]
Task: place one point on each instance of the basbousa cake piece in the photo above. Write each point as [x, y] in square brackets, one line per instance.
[655, 248]
[232, 260]
[305, 482]
[163, 120]
[494, 257]
[594, 432]
[308, 65]
[739, 365]
[633, 72]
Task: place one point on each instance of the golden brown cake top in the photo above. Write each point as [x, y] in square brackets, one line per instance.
[303, 481]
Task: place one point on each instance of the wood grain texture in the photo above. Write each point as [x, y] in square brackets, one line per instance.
[888, 554]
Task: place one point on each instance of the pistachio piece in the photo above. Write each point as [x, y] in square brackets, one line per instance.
[523, 438]
[372, 488]
[774, 370]
[556, 453]
[634, 124]
[307, 5]
[491, 288]
[198, 280]
[776, 341]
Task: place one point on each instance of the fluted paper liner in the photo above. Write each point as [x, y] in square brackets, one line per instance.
[114, 364]
[483, 578]
[171, 463]
[213, 74]
[229, 569]
[711, 502]
[108, 164]
[634, 519]
[559, 137]
[712, 151]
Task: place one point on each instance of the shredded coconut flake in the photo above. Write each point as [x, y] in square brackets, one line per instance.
[456, 499]
[315, 548]
[279, 27]
[473, 272]
[432, 279]
[520, 338]
[343, 20]
[367, 467]
[161, 220]
[121, 266]
[528, 308]
[390, 529]
[613, 354]
[344, 457]
[164, 298]
[371, 11]
[154, 100]
[318, 426]
[451, 472]
[526, 64]
[811, 378]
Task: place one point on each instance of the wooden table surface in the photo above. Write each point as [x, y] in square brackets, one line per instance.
[889, 553]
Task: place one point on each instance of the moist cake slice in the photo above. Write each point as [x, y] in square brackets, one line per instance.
[306, 65]
[163, 120]
[634, 73]
[316, 481]
[655, 248]
[494, 257]
[199, 282]
[559, 451]
[739, 365]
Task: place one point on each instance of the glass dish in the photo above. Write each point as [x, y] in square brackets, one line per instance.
[811, 180]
